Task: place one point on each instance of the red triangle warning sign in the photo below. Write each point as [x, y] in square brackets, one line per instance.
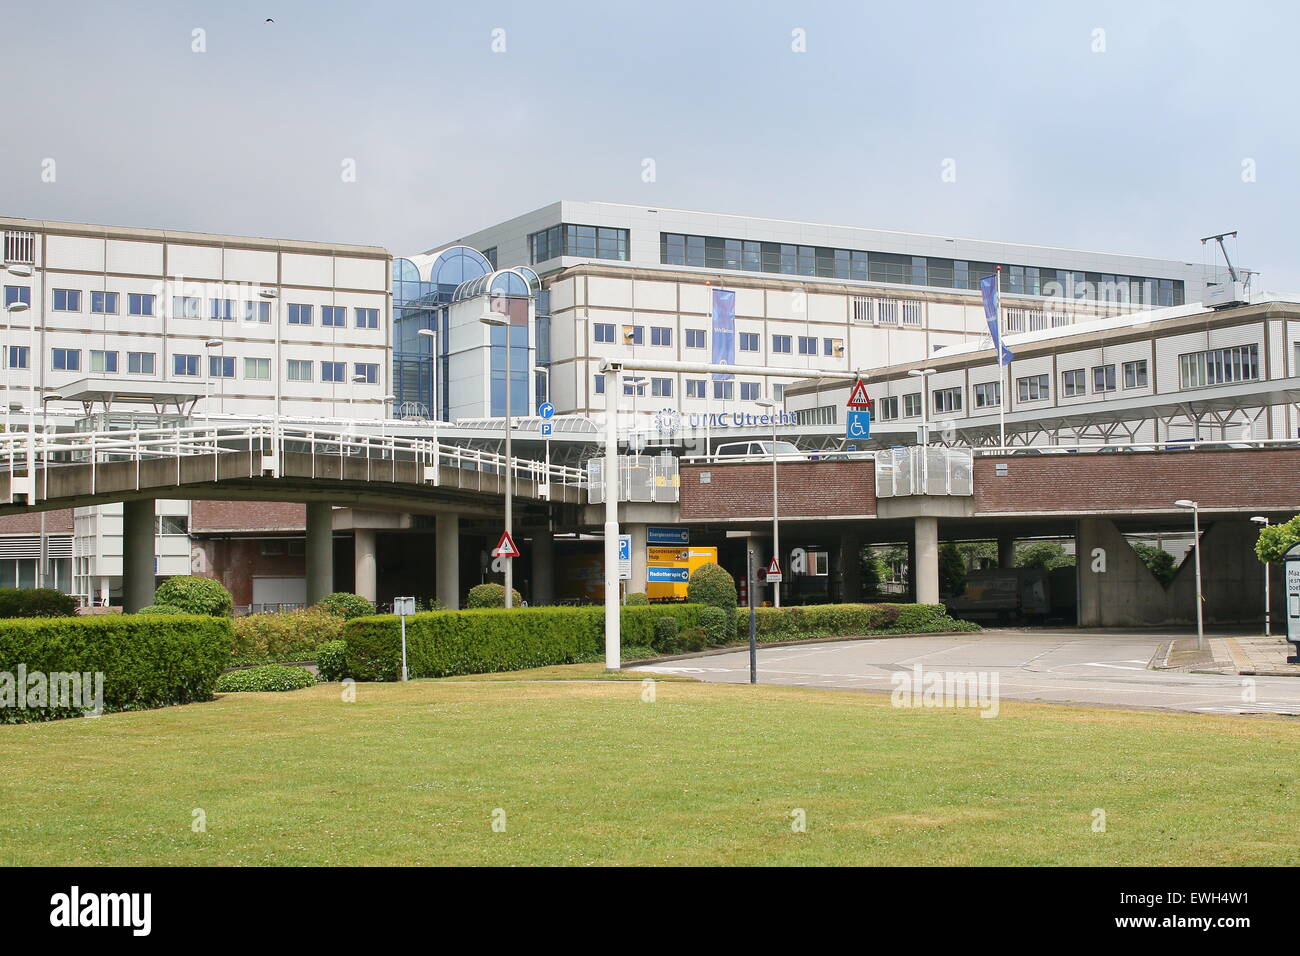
[506, 547]
[858, 398]
[774, 567]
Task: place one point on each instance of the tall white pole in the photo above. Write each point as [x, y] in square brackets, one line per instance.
[1196, 531]
[610, 478]
[1004, 380]
[510, 562]
[776, 518]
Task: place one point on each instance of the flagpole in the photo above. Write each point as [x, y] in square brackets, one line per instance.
[1006, 376]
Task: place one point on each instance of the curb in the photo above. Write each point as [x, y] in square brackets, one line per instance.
[732, 648]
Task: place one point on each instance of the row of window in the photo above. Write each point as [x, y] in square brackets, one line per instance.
[584, 242]
[189, 364]
[191, 307]
[604, 332]
[697, 388]
[709, 252]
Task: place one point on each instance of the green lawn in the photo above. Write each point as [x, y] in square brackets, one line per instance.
[588, 773]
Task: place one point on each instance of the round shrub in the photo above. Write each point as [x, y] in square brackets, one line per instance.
[693, 639]
[636, 599]
[345, 605]
[196, 595]
[36, 602]
[268, 677]
[717, 624]
[711, 584]
[332, 660]
[490, 595]
[666, 630]
[288, 636]
[160, 609]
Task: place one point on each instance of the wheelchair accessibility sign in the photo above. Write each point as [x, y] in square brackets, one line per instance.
[858, 424]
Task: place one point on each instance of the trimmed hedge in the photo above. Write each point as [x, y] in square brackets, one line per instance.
[268, 677]
[36, 602]
[288, 636]
[196, 595]
[712, 584]
[491, 595]
[159, 609]
[147, 661]
[847, 620]
[345, 605]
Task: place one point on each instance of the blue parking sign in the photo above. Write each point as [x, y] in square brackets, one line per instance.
[858, 425]
[545, 428]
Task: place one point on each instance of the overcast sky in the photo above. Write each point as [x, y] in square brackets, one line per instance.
[1178, 120]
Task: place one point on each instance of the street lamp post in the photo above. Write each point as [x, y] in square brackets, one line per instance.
[1196, 545]
[924, 434]
[495, 320]
[776, 507]
[1268, 604]
[637, 382]
[207, 379]
[23, 271]
[432, 336]
[8, 354]
[43, 564]
[542, 370]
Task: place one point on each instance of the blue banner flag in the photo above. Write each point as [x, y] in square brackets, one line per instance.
[989, 290]
[724, 330]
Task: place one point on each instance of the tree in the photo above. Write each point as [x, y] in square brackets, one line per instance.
[952, 569]
[1276, 539]
[195, 595]
[1158, 561]
[1047, 555]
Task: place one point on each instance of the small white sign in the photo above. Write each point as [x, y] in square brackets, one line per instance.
[404, 606]
[625, 557]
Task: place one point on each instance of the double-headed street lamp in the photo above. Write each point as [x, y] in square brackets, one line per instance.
[1196, 545]
[497, 320]
[1268, 604]
[776, 508]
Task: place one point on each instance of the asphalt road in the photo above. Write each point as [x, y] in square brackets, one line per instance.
[1107, 669]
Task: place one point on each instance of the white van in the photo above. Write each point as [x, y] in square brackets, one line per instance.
[757, 449]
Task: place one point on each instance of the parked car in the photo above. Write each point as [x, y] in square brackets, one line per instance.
[757, 449]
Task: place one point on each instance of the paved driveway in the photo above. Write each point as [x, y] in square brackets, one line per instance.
[1045, 665]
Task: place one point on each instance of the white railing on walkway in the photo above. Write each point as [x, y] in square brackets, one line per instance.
[924, 470]
[265, 444]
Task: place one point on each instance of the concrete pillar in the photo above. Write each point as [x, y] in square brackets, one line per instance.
[925, 567]
[1006, 552]
[851, 565]
[363, 563]
[320, 551]
[137, 554]
[543, 544]
[637, 583]
[447, 560]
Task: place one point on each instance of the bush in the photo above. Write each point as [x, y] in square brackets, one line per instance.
[694, 639]
[711, 584]
[36, 602]
[490, 595]
[160, 609]
[345, 605]
[718, 624]
[196, 595]
[268, 677]
[147, 660]
[639, 625]
[332, 660]
[290, 636]
[848, 620]
[666, 631]
[636, 599]
[634, 652]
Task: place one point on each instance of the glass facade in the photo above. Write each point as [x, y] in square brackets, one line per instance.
[583, 242]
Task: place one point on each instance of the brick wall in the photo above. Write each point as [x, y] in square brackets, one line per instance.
[247, 516]
[56, 522]
[807, 489]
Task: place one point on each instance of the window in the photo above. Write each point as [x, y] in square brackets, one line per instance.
[600, 384]
[183, 307]
[947, 400]
[66, 360]
[748, 342]
[696, 339]
[604, 332]
[333, 316]
[781, 344]
[1103, 378]
[258, 369]
[661, 387]
[299, 370]
[19, 356]
[661, 335]
[634, 335]
[1135, 374]
[887, 408]
[490, 254]
[634, 388]
[778, 392]
[103, 303]
[587, 242]
[67, 300]
[807, 345]
[1072, 383]
[257, 311]
[1219, 366]
[833, 347]
[18, 293]
[333, 371]
[103, 361]
[724, 390]
[137, 303]
[1033, 388]
[221, 366]
[695, 388]
[172, 524]
[750, 391]
[185, 364]
[988, 395]
[366, 370]
[299, 314]
[369, 318]
[222, 310]
[140, 363]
